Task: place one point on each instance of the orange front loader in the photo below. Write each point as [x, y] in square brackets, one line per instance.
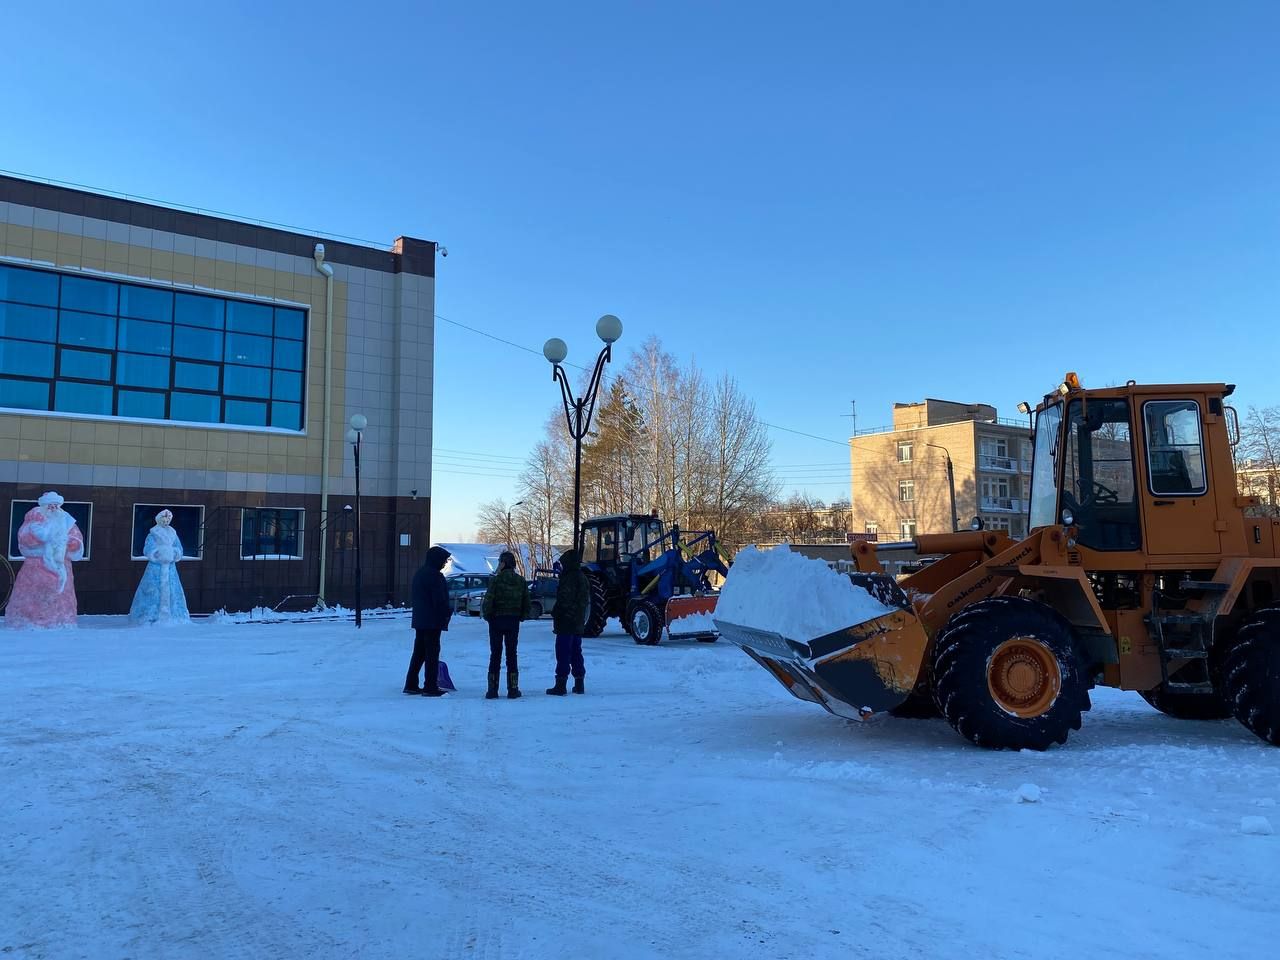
[1144, 570]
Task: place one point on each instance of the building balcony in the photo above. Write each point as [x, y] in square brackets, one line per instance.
[1003, 504]
[997, 464]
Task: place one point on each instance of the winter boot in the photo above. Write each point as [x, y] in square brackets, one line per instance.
[416, 690]
[578, 685]
[492, 692]
[513, 685]
[559, 689]
[432, 691]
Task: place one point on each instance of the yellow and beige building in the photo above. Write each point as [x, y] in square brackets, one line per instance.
[155, 357]
[900, 484]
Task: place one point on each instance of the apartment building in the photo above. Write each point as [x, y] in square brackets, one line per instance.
[154, 357]
[900, 484]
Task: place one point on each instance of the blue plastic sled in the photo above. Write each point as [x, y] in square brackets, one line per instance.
[443, 679]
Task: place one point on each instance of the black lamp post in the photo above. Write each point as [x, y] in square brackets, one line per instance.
[358, 423]
[951, 484]
[512, 507]
[577, 412]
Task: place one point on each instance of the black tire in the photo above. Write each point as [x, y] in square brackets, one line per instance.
[1001, 631]
[535, 611]
[1251, 675]
[644, 623]
[598, 612]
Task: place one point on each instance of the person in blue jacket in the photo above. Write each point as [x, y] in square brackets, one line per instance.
[431, 613]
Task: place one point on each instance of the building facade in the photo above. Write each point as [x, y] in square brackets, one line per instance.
[899, 476]
[153, 357]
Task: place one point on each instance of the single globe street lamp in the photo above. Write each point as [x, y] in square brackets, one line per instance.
[578, 411]
[354, 435]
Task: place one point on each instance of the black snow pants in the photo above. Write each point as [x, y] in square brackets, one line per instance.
[426, 652]
[503, 632]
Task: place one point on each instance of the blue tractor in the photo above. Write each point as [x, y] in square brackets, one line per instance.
[651, 576]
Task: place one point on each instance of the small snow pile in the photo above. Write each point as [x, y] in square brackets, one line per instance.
[1027, 793]
[693, 623]
[1256, 826]
[785, 593]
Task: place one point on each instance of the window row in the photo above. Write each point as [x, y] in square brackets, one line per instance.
[73, 396]
[25, 328]
[266, 533]
[43, 288]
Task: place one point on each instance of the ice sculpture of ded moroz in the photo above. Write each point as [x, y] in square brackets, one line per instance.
[44, 592]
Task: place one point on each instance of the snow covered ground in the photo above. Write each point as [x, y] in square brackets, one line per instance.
[265, 791]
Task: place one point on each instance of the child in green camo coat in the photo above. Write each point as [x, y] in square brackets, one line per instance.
[506, 603]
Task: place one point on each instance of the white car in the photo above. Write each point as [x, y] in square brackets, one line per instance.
[473, 602]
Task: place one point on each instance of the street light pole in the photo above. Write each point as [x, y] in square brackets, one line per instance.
[951, 484]
[354, 435]
[578, 411]
[512, 507]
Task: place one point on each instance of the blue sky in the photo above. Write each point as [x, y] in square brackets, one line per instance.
[831, 201]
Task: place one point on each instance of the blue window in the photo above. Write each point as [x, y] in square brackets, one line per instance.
[195, 376]
[146, 303]
[286, 415]
[82, 398]
[286, 386]
[85, 344]
[28, 286]
[143, 337]
[242, 348]
[246, 412]
[197, 311]
[290, 323]
[196, 407]
[140, 370]
[288, 354]
[27, 323]
[24, 394]
[248, 317]
[84, 364]
[95, 296]
[86, 329]
[246, 381]
[270, 534]
[26, 359]
[140, 403]
[194, 342]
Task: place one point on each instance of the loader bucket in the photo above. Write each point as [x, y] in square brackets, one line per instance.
[691, 618]
[853, 672]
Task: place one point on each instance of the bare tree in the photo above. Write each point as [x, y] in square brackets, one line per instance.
[1258, 455]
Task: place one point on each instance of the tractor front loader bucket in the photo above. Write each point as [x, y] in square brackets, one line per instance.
[690, 618]
[853, 672]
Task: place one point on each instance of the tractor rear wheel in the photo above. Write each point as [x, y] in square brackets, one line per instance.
[598, 611]
[1252, 674]
[1008, 675]
[644, 623]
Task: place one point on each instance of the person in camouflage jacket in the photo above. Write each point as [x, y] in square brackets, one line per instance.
[506, 603]
[569, 618]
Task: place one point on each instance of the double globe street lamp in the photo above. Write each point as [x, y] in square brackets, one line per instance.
[354, 434]
[578, 411]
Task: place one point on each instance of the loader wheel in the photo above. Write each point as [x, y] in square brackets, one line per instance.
[1187, 706]
[1252, 674]
[598, 611]
[1008, 675]
[535, 611]
[644, 623]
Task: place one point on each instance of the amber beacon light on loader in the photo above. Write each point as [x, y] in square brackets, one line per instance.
[1144, 570]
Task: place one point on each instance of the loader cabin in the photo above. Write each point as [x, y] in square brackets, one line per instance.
[1143, 476]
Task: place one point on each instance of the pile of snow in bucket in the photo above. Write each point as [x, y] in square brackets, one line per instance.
[785, 593]
[692, 623]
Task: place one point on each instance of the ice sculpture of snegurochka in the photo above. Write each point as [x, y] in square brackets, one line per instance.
[159, 597]
[44, 592]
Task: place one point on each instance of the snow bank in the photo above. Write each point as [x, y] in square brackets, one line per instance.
[693, 623]
[785, 593]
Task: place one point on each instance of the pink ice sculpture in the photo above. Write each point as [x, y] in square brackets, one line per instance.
[44, 592]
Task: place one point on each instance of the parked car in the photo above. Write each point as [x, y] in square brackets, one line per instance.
[474, 602]
[542, 593]
[462, 585]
